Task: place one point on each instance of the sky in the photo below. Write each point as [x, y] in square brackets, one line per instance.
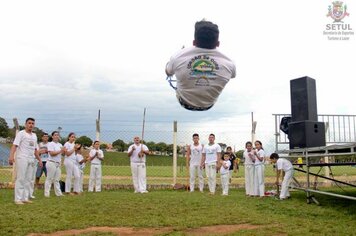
[62, 61]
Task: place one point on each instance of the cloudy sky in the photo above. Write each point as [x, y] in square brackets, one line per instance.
[61, 61]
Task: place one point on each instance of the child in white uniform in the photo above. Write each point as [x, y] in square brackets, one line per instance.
[250, 159]
[259, 169]
[224, 174]
[286, 166]
[96, 156]
[80, 165]
[70, 164]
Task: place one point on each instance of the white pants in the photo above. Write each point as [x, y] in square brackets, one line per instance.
[249, 179]
[193, 170]
[95, 177]
[260, 180]
[33, 178]
[225, 183]
[24, 174]
[285, 184]
[53, 176]
[81, 178]
[72, 170]
[138, 171]
[210, 171]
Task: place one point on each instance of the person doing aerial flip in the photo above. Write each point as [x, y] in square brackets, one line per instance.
[201, 71]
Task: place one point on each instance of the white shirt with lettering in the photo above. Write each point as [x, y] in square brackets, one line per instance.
[211, 153]
[201, 74]
[26, 144]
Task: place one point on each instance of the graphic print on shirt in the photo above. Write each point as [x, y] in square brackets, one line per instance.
[202, 69]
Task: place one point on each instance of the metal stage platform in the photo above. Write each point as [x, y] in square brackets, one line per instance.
[312, 157]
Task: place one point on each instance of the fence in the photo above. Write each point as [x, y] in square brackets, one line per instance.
[158, 136]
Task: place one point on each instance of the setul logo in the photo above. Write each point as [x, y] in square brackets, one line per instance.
[338, 30]
[337, 12]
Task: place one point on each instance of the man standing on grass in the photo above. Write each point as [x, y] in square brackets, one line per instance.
[137, 153]
[194, 157]
[43, 151]
[211, 161]
[26, 149]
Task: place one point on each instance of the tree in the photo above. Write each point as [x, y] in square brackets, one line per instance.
[85, 141]
[161, 147]
[103, 146]
[151, 146]
[120, 145]
[4, 129]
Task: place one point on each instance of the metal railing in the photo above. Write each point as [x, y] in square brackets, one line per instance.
[338, 129]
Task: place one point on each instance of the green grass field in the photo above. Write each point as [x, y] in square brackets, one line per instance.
[180, 211]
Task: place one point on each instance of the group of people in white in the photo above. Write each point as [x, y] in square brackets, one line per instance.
[49, 155]
[33, 159]
[208, 157]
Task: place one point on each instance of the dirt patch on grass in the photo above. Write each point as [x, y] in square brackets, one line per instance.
[127, 231]
[220, 229]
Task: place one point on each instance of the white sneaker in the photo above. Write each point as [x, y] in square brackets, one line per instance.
[32, 197]
[144, 191]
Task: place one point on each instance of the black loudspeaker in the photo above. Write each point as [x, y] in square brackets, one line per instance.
[284, 124]
[303, 99]
[305, 134]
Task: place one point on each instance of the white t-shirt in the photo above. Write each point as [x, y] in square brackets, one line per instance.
[134, 156]
[26, 144]
[211, 153]
[284, 164]
[70, 146]
[79, 158]
[96, 160]
[54, 147]
[201, 74]
[249, 160]
[224, 171]
[261, 154]
[195, 154]
[43, 146]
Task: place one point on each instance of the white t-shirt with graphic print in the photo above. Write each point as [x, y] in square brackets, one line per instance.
[26, 144]
[201, 74]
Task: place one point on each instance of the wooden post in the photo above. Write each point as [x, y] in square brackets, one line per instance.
[17, 129]
[97, 134]
[253, 131]
[174, 153]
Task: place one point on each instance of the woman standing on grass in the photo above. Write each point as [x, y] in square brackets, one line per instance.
[55, 151]
[259, 169]
[70, 161]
